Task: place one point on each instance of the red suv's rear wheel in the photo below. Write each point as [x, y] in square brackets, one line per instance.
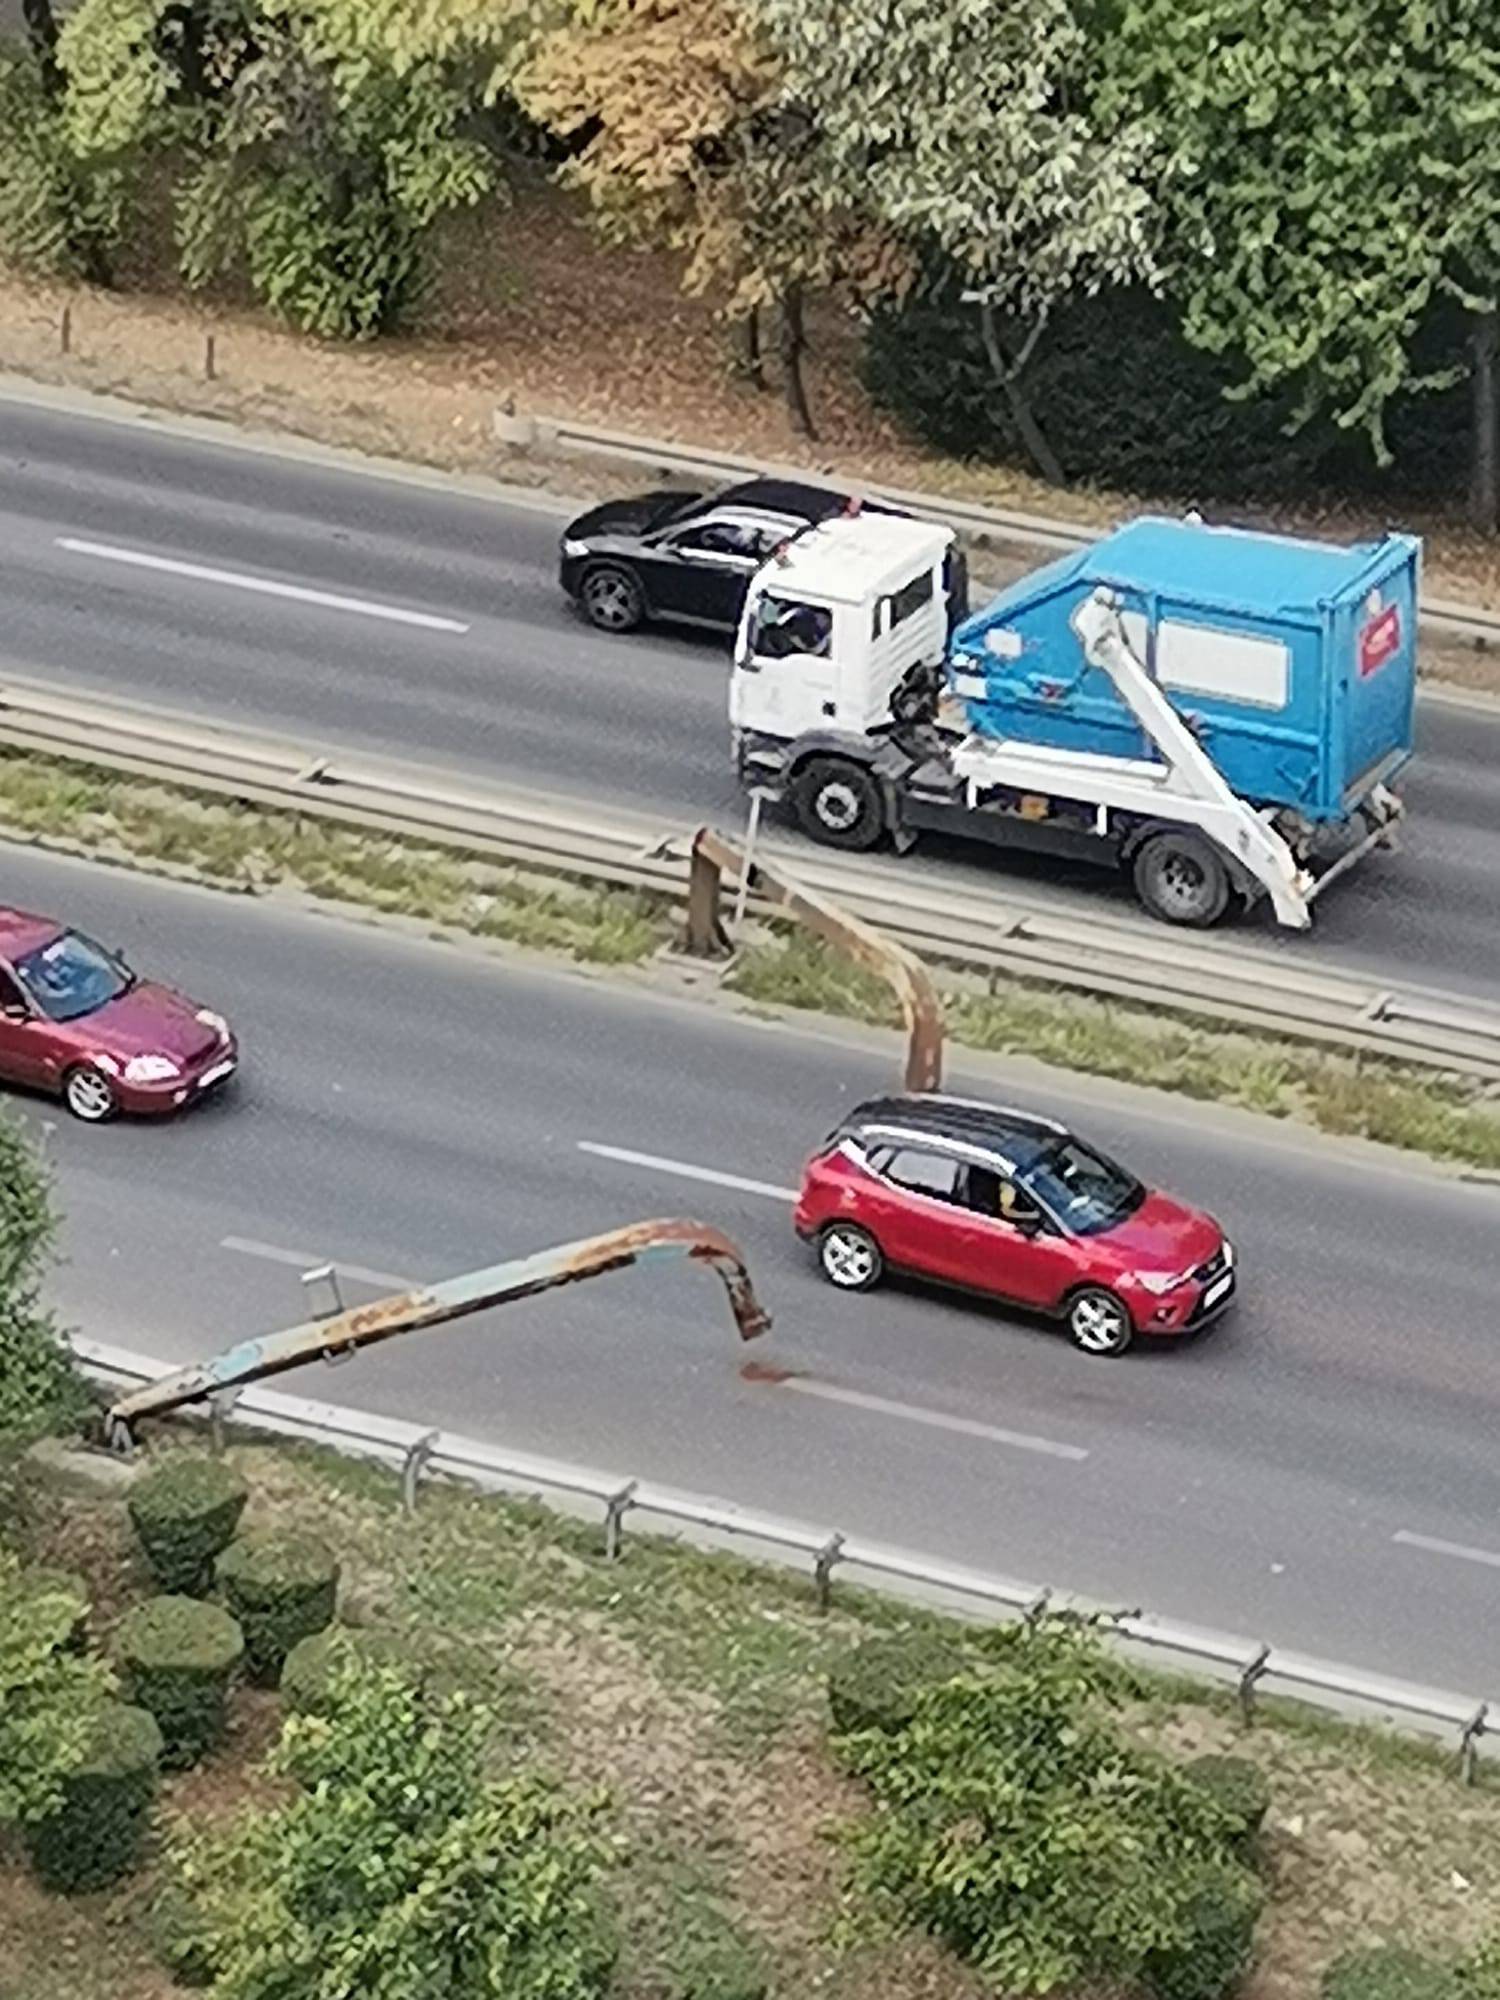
[850, 1257]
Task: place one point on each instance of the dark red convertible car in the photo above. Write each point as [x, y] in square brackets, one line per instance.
[76, 1022]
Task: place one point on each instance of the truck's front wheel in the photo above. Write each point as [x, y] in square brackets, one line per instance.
[1180, 878]
[838, 803]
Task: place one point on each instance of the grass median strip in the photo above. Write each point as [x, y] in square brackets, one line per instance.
[692, 1688]
[253, 847]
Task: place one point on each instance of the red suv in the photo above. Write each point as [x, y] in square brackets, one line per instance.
[75, 1021]
[1014, 1206]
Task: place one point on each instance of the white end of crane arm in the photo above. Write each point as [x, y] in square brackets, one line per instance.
[1200, 794]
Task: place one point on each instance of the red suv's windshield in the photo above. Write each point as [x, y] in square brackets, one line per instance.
[71, 977]
[1087, 1191]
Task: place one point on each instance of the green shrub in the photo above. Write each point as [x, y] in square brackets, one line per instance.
[1020, 1824]
[94, 1838]
[181, 1937]
[1479, 1972]
[70, 1597]
[1219, 1914]
[41, 1390]
[313, 1665]
[1388, 1972]
[50, 1688]
[711, 1956]
[178, 1655]
[184, 1513]
[394, 1862]
[282, 1588]
[1241, 1788]
[878, 1683]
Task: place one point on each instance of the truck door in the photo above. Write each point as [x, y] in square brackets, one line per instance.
[784, 672]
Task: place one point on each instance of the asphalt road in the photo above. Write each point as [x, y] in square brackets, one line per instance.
[525, 693]
[410, 1111]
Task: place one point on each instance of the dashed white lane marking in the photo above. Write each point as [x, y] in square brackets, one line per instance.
[711, 1175]
[300, 593]
[915, 1413]
[1463, 1550]
[301, 1260]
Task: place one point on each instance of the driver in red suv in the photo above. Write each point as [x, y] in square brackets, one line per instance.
[1015, 1207]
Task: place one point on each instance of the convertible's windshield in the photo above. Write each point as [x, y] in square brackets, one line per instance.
[1087, 1191]
[72, 976]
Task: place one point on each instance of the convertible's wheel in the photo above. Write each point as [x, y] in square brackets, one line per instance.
[611, 598]
[89, 1095]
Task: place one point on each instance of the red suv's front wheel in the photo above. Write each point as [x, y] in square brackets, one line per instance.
[1098, 1322]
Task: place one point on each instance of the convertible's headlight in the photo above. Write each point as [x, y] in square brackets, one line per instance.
[151, 1069]
[574, 548]
[215, 1021]
[1159, 1282]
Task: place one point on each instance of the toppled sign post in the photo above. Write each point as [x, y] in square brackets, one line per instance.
[713, 854]
[342, 1334]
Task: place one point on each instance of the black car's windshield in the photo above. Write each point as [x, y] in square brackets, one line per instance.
[1086, 1190]
[72, 976]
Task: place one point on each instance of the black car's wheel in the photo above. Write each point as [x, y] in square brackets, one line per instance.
[611, 598]
[89, 1095]
[838, 803]
[850, 1257]
[1098, 1322]
[1180, 878]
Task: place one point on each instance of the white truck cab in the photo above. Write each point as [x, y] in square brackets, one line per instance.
[836, 622]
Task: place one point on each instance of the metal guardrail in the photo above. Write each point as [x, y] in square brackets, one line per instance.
[416, 1450]
[989, 933]
[986, 527]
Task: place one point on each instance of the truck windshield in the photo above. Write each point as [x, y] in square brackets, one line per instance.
[1089, 1192]
[783, 626]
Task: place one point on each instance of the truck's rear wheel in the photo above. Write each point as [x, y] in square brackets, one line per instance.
[1180, 878]
[838, 803]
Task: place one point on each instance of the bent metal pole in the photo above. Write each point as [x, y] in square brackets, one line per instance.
[343, 1334]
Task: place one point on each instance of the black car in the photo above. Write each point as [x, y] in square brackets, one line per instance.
[687, 557]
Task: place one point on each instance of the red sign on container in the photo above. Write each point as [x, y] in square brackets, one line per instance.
[1379, 640]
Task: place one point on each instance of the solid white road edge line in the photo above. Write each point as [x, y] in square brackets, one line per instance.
[710, 1175]
[237, 580]
[883, 1406]
[1463, 1550]
[300, 1260]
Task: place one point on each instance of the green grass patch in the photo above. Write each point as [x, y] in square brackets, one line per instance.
[1419, 1110]
[251, 847]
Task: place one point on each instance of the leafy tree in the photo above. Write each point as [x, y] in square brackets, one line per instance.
[1018, 1823]
[40, 1389]
[961, 127]
[49, 1691]
[323, 138]
[683, 136]
[59, 216]
[1332, 173]
[396, 1867]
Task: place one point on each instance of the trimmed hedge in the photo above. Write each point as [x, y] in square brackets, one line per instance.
[878, 1683]
[1241, 1788]
[94, 1838]
[312, 1663]
[63, 1583]
[1388, 1972]
[281, 1588]
[178, 1655]
[1212, 1959]
[184, 1513]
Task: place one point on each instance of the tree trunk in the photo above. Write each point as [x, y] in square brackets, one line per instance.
[793, 348]
[751, 360]
[1484, 462]
[1008, 374]
[41, 31]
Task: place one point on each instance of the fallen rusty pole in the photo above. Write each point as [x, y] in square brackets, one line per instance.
[343, 1334]
[902, 970]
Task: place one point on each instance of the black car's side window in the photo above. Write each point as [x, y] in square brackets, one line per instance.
[925, 1173]
[716, 538]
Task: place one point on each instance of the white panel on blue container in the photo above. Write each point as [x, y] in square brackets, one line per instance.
[1235, 666]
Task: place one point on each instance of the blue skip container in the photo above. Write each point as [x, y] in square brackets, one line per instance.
[1294, 661]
